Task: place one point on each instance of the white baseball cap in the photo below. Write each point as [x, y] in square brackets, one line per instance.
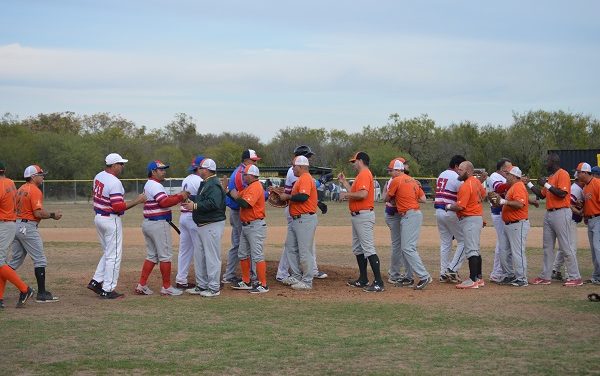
[301, 161]
[516, 172]
[396, 164]
[584, 167]
[251, 170]
[209, 164]
[33, 170]
[113, 158]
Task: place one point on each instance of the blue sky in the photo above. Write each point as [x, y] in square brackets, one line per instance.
[258, 66]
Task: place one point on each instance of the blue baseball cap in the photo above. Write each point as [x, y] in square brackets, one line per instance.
[156, 165]
[196, 163]
[596, 170]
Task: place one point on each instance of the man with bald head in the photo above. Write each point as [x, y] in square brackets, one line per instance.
[469, 209]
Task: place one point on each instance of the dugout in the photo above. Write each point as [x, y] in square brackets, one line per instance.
[569, 159]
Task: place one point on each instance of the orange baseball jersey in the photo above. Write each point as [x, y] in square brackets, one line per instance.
[406, 193]
[591, 198]
[305, 184]
[561, 180]
[470, 196]
[254, 195]
[517, 192]
[8, 196]
[364, 180]
[29, 199]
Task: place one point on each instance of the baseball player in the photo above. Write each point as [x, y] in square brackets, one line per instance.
[576, 217]
[208, 212]
[392, 219]
[557, 192]
[591, 212]
[502, 269]
[407, 194]
[299, 243]
[515, 214]
[109, 206]
[236, 181]
[469, 209]
[251, 201]
[30, 212]
[188, 228]
[8, 215]
[447, 186]
[283, 267]
[157, 229]
[361, 197]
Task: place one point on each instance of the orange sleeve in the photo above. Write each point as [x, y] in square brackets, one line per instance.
[36, 199]
[393, 187]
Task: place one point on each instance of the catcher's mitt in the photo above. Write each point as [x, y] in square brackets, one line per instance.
[275, 200]
[494, 198]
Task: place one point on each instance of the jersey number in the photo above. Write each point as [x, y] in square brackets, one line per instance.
[441, 184]
[98, 188]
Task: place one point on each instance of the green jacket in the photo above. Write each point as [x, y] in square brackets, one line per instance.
[210, 202]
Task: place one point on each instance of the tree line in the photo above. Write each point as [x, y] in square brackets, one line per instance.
[73, 146]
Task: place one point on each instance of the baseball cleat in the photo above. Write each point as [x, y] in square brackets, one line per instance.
[170, 291]
[289, 281]
[301, 286]
[321, 275]
[468, 284]
[452, 276]
[573, 282]
[210, 293]
[1, 304]
[143, 290]
[95, 286]
[195, 291]
[557, 276]
[541, 281]
[241, 285]
[374, 287]
[394, 280]
[259, 289]
[519, 283]
[24, 296]
[185, 286]
[111, 295]
[46, 297]
[423, 283]
[358, 283]
[481, 282]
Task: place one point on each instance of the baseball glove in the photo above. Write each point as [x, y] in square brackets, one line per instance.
[494, 198]
[275, 200]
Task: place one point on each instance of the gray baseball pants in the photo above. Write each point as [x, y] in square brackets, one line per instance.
[27, 241]
[410, 225]
[557, 226]
[188, 227]
[283, 269]
[559, 260]
[7, 235]
[398, 260]
[157, 235]
[594, 237]
[299, 247]
[232, 255]
[207, 256]
[449, 228]
[515, 240]
[362, 233]
[252, 239]
[502, 256]
[471, 229]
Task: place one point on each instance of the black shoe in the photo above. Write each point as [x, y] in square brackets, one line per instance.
[45, 297]
[423, 283]
[506, 281]
[452, 276]
[1, 304]
[24, 296]
[405, 282]
[111, 295]
[556, 275]
[374, 287]
[95, 286]
[358, 284]
[185, 286]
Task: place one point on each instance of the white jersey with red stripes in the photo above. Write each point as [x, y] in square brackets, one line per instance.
[576, 193]
[495, 180]
[190, 184]
[155, 192]
[446, 188]
[290, 179]
[108, 190]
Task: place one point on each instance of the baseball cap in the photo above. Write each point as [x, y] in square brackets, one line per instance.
[396, 164]
[584, 167]
[33, 170]
[251, 170]
[596, 170]
[516, 172]
[209, 164]
[250, 154]
[301, 161]
[303, 150]
[360, 155]
[156, 165]
[113, 158]
[195, 163]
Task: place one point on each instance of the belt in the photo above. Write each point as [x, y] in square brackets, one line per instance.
[592, 216]
[157, 219]
[107, 214]
[513, 222]
[300, 215]
[440, 206]
[554, 209]
[247, 223]
[23, 220]
[358, 212]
